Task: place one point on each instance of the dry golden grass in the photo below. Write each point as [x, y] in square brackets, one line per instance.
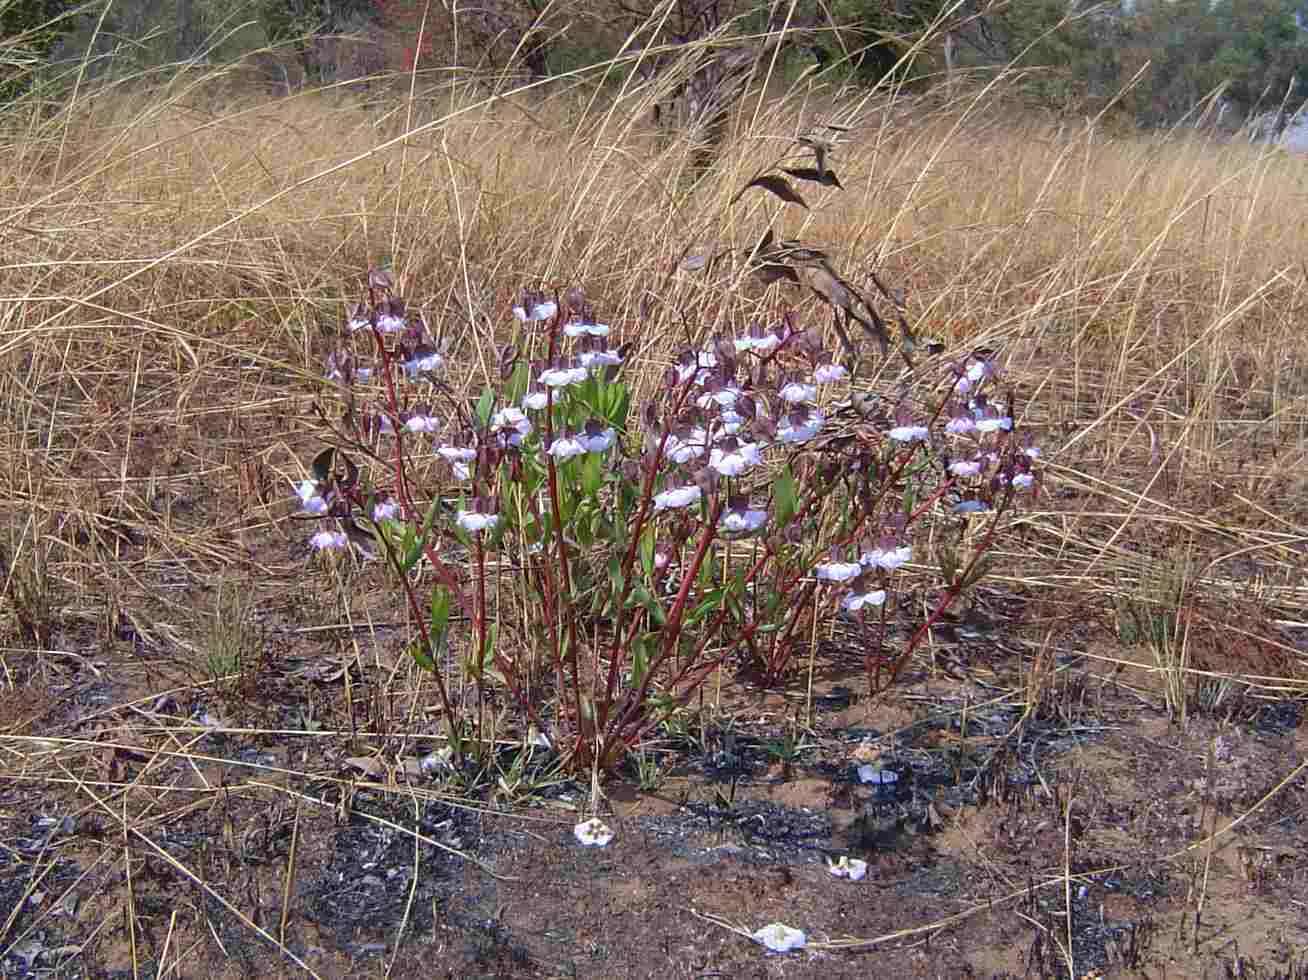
[176, 262]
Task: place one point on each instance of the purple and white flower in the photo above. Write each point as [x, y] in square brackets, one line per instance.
[825, 374]
[562, 375]
[838, 571]
[798, 391]
[328, 541]
[584, 328]
[800, 427]
[965, 467]
[566, 446]
[512, 425]
[385, 510]
[595, 438]
[685, 447]
[780, 938]
[423, 363]
[909, 433]
[422, 422]
[592, 833]
[677, 497]
[740, 518]
[858, 600]
[474, 522]
[887, 558]
[311, 501]
[534, 308]
[734, 457]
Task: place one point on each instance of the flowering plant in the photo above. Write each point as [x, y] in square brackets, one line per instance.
[725, 522]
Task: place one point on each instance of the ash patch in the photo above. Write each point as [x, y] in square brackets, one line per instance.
[758, 831]
[367, 887]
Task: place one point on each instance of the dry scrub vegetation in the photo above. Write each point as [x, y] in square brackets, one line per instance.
[176, 262]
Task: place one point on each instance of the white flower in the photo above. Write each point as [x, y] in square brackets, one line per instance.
[978, 371]
[592, 833]
[385, 510]
[743, 521]
[838, 571]
[328, 541]
[359, 323]
[970, 507]
[310, 500]
[559, 377]
[390, 323]
[763, 344]
[724, 396]
[848, 867]
[798, 391]
[733, 462]
[965, 467]
[565, 447]
[461, 471]
[416, 365]
[960, 425]
[681, 450]
[535, 400]
[704, 360]
[878, 777]
[993, 424]
[536, 312]
[676, 497]
[825, 374]
[515, 421]
[472, 522]
[1023, 481]
[596, 442]
[801, 433]
[599, 358]
[908, 433]
[423, 423]
[579, 328]
[1031, 452]
[457, 454]
[780, 938]
[889, 559]
[730, 422]
[856, 601]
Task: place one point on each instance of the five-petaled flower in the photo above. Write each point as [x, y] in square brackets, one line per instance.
[422, 422]
[511, 424]
[311, 501]
[825, 374]
[535, 308]
[740, 518]
[734, 457]
[758, 340]
[562, 374]
[328, 541]
[474, 522]
[857, 600]
[677, 497]
[838, 571]
[592, 833]
[566, 446]
[385, 510]
[780, 938]
[800, 426]
[585, 328]
[798, 391]
[847, 867]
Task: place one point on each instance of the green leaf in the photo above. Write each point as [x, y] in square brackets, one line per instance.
[784, 497]
[643, 596]
[592, 473]
[421, 657]
[485, 407]
[411, 549]
[440, 613]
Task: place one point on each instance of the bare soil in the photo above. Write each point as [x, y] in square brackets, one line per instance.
[148, 833]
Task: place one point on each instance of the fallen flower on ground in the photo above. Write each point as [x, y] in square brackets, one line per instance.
[780, 938]
[592, 833]
[847, 867]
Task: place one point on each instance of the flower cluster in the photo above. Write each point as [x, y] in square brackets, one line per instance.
[732, 505]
